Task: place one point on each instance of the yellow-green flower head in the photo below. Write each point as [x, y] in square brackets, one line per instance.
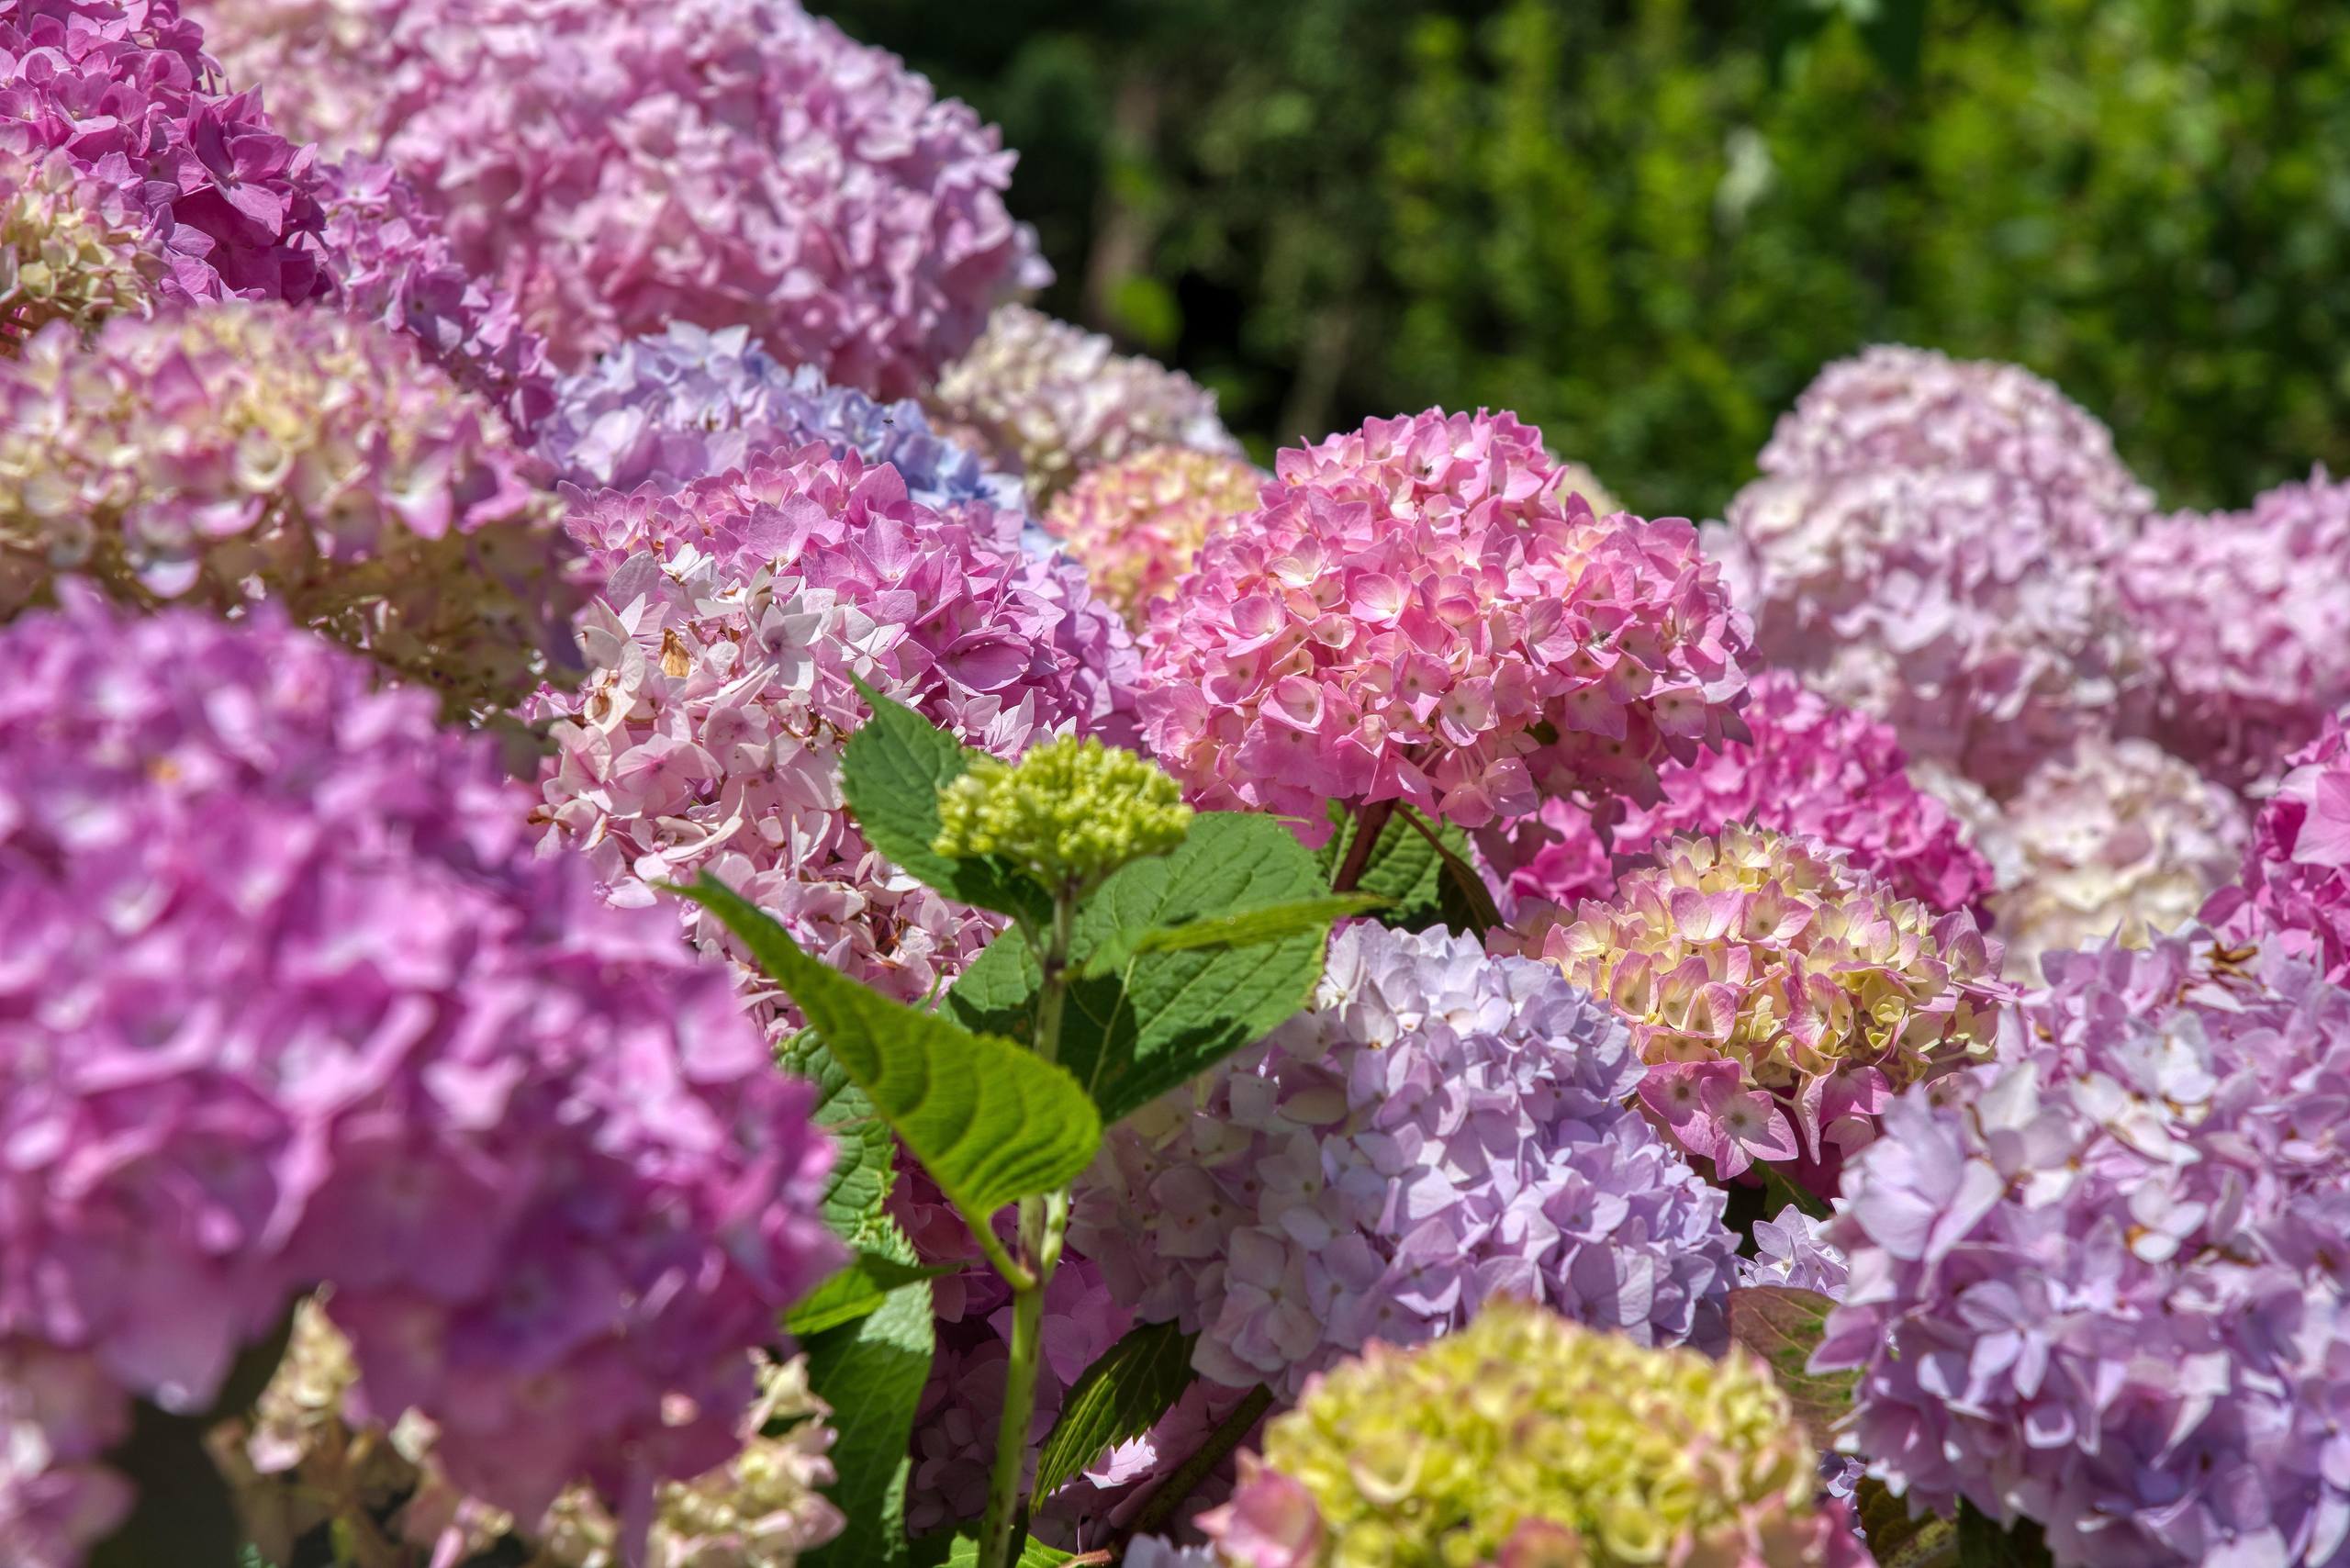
[1069, 813]
[1528, 1442]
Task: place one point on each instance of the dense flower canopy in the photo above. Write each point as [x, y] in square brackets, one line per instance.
[708, 735]
[2100, 1285]
[2294, 892]
[253, 451]
[1135, 524]
[1049, 401]
[1440, 1128]
[289, 1000]
[1779, 995]
[1811, 768]
[2246, 622]
[121, 89]
[622, 165]
[1523, 1439]
[1411, 614]
[75, 247]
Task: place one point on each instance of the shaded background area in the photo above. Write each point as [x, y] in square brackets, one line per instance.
[1644, 226]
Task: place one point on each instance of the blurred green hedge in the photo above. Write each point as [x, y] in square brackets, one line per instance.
[1645, 225]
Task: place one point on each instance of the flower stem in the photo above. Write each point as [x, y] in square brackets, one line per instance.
[1370, 820]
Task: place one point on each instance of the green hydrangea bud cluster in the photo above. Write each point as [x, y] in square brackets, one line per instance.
[1528, 1439]
[1069, 813]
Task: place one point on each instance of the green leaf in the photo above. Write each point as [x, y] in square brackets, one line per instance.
[1780, 1193]
[1895, 1539]
[1467, 903]
[871, 1373]
[891, 773]
[950, 1548]
[856, 1291]
[857, 1195]
[1404, 869]
[1122, 1395]
[1163, 1017]
[1985, 1542]
[1784, 1326]
[1267, 924]
[990, 1122]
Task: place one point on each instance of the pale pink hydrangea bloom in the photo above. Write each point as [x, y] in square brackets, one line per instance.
[1135, 524]
[2294, 889]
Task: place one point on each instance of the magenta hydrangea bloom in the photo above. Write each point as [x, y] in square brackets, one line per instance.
[249, 451]
[621, 165]
[122, 88]
[1413, 615]
[289, 998]
[1811, 768]
[1441, 1127]
[2100, 1285]
[2294, 892]
[708, 735]
[392, 264]
[2244, 618]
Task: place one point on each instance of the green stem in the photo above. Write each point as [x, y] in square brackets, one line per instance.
[1052, 989]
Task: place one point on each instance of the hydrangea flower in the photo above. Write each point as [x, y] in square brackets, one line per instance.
[1575, 479]
[689, 404]
[2099, 1284]
[1412, 615]
[323, 63]
[1136, 523]
[2118, 841]
[1438, 1130]
[392, 264]
[1811, 768]
[74, 248]
[2243, 616]
[1779, 995]
[247, 450]
[1048, 401]
[1792, 1250]
[122, 91]
[621, 165]
[708, 735]
[59, 1412]
[287, 999]
[1525, 1439]
[2294, 889]
[1067, 815]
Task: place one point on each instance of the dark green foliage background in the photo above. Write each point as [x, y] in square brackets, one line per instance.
[1644, 224]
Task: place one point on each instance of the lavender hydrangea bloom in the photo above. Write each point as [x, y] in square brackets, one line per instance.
[1793, 1250]
[2293, 892]
[287, 999]
[2100, 1284]
[1439, 1129]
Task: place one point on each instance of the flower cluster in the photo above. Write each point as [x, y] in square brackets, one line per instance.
[1135, 523]
[689, 404]
[1049, 401]
[1439, 1129]
[2118, 841]
[1793, 1250]
[393, 265]
[247, 450]
[2294, 889]
[301, 1460]
[59, 1412]
[622, 165]
[74, 248]
[708, 735]
[324, 64]
[1811, 768]
[2243, 618]
[1524, 1439]
[1411, 614]
[1067, 815]
[289, 999]
[119, 89]
[1779, 995]
[2100, 1285]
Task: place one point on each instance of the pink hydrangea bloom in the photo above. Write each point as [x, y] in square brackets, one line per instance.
[2243, 617]
[122, 88]
[2294, 892]
[322, 63]
[1135, 524]
[58, 1413]
[255, 450]
[621, 165]
[2100, 1285]
[1779, 995]
[1811, 768]
[708, 735]
[289, 1000]
[1413, 615]
[75, 247]
[1439, 1129]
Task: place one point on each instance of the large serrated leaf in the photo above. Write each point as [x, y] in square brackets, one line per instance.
[891, 773]
[860, 1288]
[1897, 1540]
[1404, 869]
[990, 1122]
[1245, 929]
[1784, 1326]
[871, 1373]
[1161, 1018]
[857, 1195]
[1122, 1395]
